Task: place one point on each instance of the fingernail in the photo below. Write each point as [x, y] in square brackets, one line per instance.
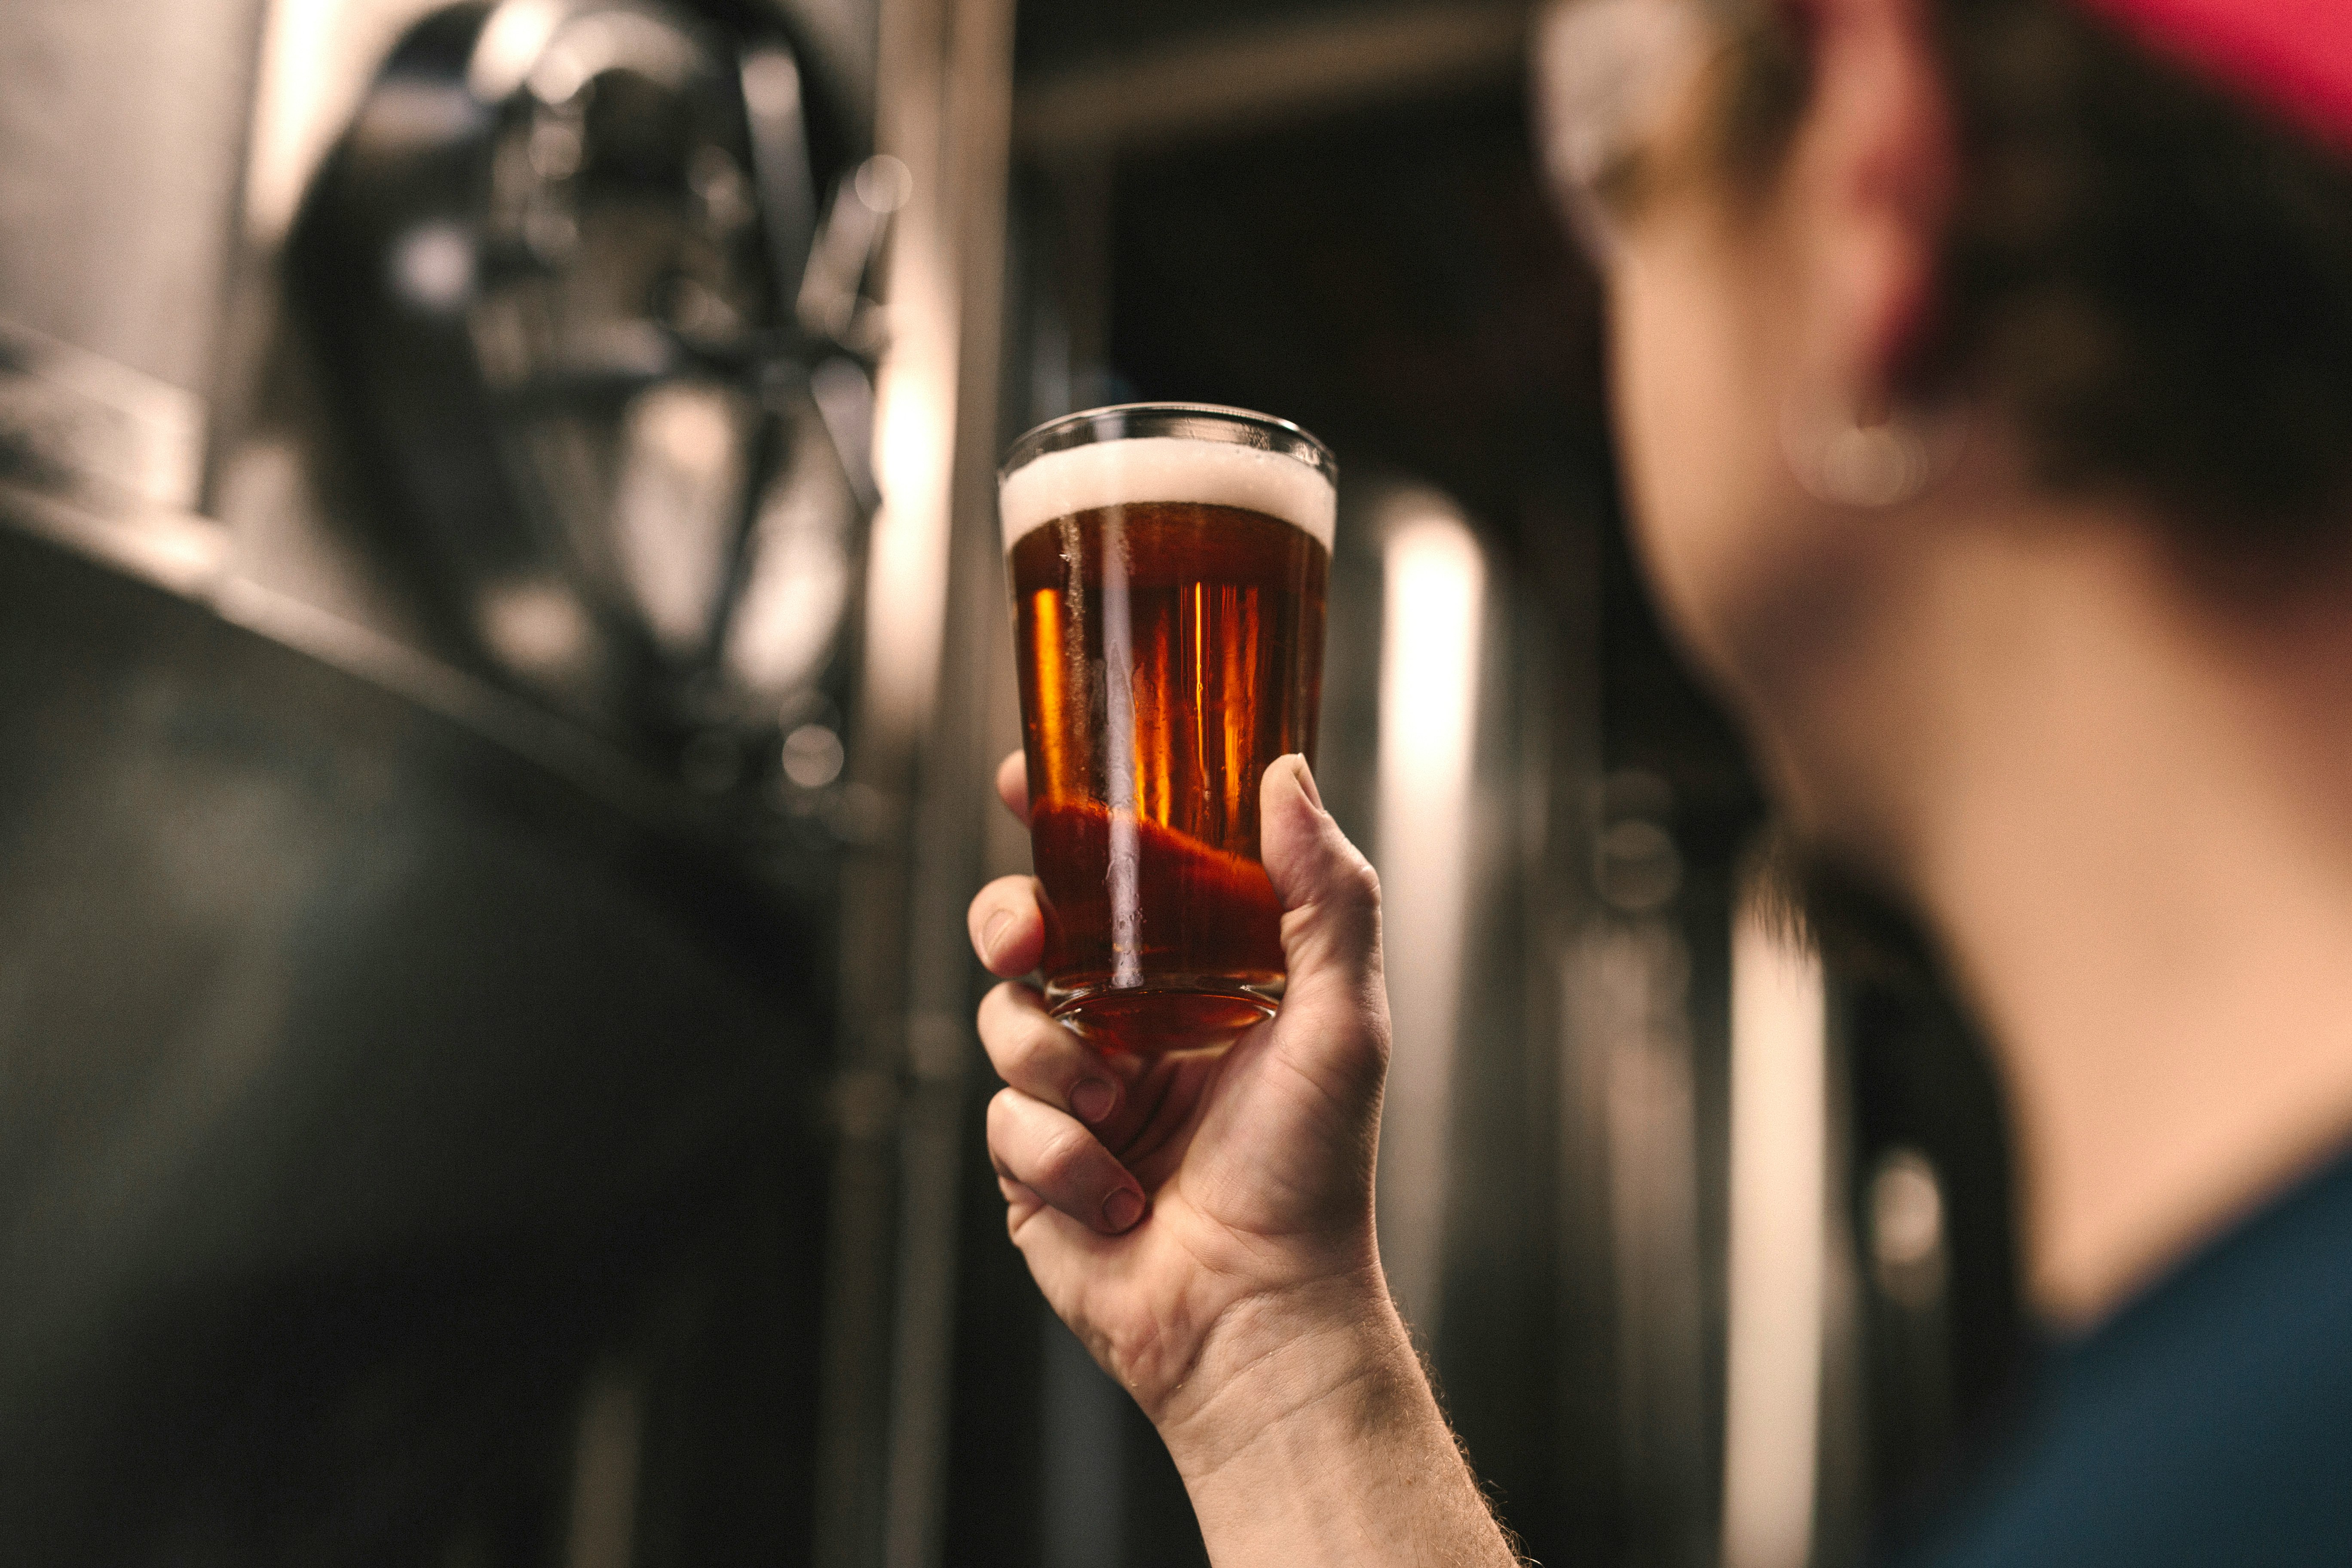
[1122, 1209]
[994, 929]
[1307, 784]
[1093, 1100]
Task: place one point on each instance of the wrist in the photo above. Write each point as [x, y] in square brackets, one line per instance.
[1318, 1442]
[1299, 1365]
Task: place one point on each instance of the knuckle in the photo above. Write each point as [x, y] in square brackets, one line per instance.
[1003, 1119]
[1061, 1162]
[1025, 1052]
[999, 1024]
[1028, 1050]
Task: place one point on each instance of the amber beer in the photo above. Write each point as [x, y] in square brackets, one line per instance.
[1168, 564]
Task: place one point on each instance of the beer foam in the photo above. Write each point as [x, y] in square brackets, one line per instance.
[1167, 468]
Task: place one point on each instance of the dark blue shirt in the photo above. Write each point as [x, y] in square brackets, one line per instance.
[2208, 1423]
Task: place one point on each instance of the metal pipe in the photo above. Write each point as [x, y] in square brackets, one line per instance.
[945, 113]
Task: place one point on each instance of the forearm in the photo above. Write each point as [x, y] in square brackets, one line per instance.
[1327, 1446]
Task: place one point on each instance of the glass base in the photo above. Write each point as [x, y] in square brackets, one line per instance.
[1183, 1014]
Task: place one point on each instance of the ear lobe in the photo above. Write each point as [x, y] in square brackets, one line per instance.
[1910, 309]
[1883, 316]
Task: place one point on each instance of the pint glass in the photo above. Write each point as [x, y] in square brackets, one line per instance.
[1168, 565]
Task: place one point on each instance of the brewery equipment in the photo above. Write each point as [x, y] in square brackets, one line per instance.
[432, 492]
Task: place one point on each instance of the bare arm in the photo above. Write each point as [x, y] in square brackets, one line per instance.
[1203, 1222]
[1330, 1450]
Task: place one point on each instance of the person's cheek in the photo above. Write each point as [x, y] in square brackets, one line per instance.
[1696, 432]
[1667, 447]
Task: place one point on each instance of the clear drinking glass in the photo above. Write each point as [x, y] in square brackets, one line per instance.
[1168, 564]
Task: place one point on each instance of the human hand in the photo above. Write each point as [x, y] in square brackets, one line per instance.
[1189, 1213]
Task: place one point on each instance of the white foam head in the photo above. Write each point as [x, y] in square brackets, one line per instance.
[1167, 468]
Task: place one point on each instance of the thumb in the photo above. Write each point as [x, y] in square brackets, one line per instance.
[1330, 895]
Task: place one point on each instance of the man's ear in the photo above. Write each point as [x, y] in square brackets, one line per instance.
[1872, 178]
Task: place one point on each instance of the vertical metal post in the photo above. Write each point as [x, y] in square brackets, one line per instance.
[1780, 1242]
[1431, 639]
[918, 756]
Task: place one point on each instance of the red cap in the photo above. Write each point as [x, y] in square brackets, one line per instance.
[2294, 57]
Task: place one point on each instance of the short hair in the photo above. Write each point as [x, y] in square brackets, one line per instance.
[2149, 275]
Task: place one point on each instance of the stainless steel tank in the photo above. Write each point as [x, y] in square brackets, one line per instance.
[431, 493]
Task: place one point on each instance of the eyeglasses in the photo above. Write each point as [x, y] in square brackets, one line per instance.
[1608, 73]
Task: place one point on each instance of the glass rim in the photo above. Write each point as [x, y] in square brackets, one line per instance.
[1214, 422]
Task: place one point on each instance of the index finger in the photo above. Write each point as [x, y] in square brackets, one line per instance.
[1013, 785]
